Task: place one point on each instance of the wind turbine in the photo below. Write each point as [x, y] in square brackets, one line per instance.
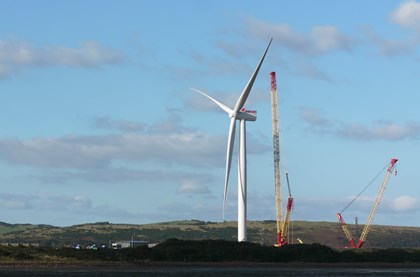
[243, 115]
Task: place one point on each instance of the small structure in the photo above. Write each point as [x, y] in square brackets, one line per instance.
[129, 244]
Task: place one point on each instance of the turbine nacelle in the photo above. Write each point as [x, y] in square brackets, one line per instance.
[248, 115]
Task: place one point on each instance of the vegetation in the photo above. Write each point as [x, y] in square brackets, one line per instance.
[260, 232]
[174, 250]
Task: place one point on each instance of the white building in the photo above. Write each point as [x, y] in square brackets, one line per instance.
[129, 243]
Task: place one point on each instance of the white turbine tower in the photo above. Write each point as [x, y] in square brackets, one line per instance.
[239, 113]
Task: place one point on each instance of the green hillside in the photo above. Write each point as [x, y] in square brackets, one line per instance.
[6, 228]
[261, 232]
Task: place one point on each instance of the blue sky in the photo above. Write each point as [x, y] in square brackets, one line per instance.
[99, 124]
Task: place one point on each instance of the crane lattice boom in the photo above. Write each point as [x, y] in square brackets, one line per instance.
[371, 216]
[276, 149]
[282, 223]
[377, 202]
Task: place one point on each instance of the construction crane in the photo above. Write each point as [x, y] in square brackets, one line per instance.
[378, 199]
[281, 223]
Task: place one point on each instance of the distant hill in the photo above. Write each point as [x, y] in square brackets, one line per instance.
[262, 232]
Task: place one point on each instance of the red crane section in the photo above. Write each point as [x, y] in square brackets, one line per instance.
[283, 233]
[346, 231]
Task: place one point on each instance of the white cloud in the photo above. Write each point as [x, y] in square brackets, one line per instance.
[75, 204]
[17, 55]
[321, 39]
[388, 47]
[179, 152]
[118, 175]
[123, 125]
[381, 130]
[194, 149]
[405, 203]
[313, 117]
[408, 14]
[43, 201]
[307, 69]
[193, 187]
[392, 48]
[328, 38]
[15, 204]
[15, 201]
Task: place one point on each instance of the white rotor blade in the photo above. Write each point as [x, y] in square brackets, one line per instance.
[221, 105]
[245, 93]
[231, 140]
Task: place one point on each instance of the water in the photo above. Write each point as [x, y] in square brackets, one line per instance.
[209, 271]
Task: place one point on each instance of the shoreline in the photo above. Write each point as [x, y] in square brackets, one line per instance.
[130, 266]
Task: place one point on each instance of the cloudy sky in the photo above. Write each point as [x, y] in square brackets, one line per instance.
[99, 124]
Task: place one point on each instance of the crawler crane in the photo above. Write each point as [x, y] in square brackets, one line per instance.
[282, 223]
[378, 199]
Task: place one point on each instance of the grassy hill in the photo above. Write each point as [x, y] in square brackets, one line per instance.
[7, 228]
[261, 232]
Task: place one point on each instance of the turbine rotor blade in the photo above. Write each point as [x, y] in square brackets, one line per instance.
[231, 140]
[221, 105]
[242, 99]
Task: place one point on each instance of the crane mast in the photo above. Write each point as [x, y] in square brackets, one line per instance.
[281, 224]
[276, 153]
[378, 200]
